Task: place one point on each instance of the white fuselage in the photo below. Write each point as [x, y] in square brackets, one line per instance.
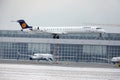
[38, 56]
[115, 59]
[66, 30]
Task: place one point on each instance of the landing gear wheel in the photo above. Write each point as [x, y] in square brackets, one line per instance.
[55, 36]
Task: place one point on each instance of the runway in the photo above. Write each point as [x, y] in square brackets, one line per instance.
[52, 72]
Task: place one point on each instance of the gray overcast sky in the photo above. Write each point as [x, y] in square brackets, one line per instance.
[59, 13]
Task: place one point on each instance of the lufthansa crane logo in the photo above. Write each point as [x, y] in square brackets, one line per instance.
[23, 25]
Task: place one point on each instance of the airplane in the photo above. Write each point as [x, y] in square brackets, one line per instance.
[116, 60]
[56, 31]
[38, 57]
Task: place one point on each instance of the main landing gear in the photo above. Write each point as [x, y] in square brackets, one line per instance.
[55, 36]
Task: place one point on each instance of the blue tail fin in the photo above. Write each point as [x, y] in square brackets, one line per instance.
[23, 24]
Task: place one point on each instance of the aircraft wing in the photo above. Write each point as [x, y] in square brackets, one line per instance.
[102, 58]
[19, 54]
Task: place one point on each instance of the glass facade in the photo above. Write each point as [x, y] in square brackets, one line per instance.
[67, 52]
[113, 51]
[10, 50]
[63, 52]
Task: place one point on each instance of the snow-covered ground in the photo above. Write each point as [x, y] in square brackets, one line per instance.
[48, 72]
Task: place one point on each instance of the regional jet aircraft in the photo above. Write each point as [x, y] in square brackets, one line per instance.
[116, 60]
[55, 31]
[39, 56]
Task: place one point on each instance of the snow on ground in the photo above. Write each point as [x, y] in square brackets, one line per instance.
[48, 72]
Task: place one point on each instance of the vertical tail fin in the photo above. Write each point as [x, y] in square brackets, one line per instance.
[23, 24]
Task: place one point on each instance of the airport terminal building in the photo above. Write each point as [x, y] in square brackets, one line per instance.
[84, 47]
